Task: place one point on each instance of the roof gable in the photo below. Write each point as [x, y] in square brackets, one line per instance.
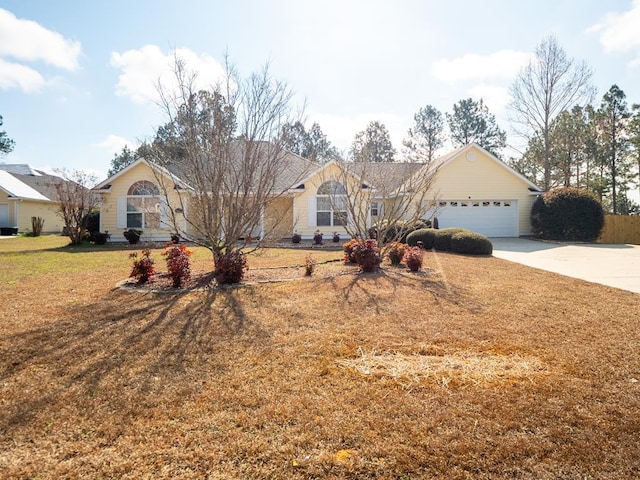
[473, 148]
[105, 184]
[15, 187]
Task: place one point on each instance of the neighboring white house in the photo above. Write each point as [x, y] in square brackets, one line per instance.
[27, 193]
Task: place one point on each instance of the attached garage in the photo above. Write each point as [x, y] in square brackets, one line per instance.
[493, 218]
[476, 190]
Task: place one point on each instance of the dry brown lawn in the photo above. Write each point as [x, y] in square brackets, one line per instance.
[475, 368]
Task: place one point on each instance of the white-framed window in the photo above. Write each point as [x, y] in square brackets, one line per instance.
[376, 209]
[143, 205]
[331, 209]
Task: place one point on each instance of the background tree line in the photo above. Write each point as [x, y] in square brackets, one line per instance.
[568, 139]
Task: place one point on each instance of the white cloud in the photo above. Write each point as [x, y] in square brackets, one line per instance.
[620, 32]
[494, 97]
[26, 40]
[142, 69]
[504, 64]
[115, 144]
[14, 75]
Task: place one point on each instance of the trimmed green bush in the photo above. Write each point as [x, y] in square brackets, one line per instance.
[424, 235]
[398, 231]
[442, 240]
[567, 213]
[471, 243]
[459, 240]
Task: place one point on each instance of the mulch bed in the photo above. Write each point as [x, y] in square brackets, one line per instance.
[204, 280]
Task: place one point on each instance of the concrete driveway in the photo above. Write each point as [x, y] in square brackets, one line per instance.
[613, 265]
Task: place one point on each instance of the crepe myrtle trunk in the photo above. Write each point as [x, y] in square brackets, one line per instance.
[358, 185]
[226, 143]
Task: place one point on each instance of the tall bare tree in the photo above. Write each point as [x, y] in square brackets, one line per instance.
[76, 201]
[549, 84]
[226, 143]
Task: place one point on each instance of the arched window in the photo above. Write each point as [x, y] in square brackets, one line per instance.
[143, 187]
[331, 188]
[143, 205]
[331, 205]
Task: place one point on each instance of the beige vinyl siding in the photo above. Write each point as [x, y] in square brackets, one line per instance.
[484, 180]
[21, 211]
[45, 210]
[278, 218]
[304, 212]
[119, 188]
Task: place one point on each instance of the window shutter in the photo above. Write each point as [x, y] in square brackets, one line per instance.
[311, 212]
[122, 212]
[164, 214]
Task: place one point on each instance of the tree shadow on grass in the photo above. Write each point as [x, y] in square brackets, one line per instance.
[378, 287]
[123, 351]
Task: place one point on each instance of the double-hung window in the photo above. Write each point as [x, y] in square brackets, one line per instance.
[143, 205]
[331, 205]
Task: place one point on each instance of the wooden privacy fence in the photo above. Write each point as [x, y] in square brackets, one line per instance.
[621, 229]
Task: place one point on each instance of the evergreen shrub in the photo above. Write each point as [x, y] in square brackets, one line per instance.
[567, 213]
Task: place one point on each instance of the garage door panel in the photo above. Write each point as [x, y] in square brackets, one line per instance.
[493, 218]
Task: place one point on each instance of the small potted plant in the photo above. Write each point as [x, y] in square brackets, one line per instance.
[100, 238]
[296, 237]
[317, 238]
[132, 235]
[336, 237]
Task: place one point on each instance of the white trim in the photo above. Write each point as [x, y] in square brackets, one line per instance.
[152, 166]
[312, 214]
[121, 213]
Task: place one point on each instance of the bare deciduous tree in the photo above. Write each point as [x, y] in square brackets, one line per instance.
[385, 197]
[226, 144]
[548, 85]
[76, 201]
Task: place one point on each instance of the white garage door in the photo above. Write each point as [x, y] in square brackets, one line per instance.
[493, 218]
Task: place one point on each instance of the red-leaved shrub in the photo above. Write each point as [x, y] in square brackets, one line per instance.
[178, 263]
[230, 267]
[367, 255]
[413, 258]
[142, 269]
[348, 249]
[395, 251]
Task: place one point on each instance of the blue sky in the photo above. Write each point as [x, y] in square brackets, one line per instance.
[77, 77]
